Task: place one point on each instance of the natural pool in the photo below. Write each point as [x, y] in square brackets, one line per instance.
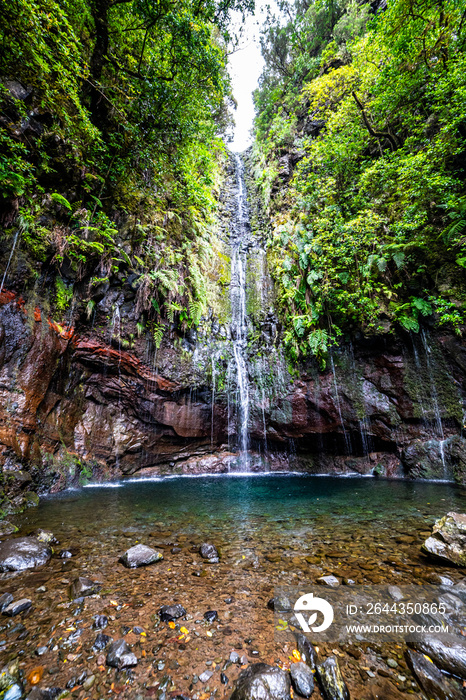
[270, 529]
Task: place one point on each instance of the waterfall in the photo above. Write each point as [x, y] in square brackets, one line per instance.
[9, 259]
[239, 240]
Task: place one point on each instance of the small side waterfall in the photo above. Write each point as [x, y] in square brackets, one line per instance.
[239, 241]
[15, 241]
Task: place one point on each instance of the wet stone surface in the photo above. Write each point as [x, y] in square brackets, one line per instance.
[347, 529]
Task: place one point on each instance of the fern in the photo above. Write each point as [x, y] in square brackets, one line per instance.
[196, 309]
[157, 334]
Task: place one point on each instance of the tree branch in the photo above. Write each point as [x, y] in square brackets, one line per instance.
[377, 134]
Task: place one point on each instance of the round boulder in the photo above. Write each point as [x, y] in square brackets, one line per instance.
[262, 682]
[23, 553]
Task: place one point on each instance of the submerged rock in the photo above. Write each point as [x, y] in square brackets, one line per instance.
[84, 586]
[431, 680]
[209, 552]
[23, 553]
[100, 622]
[211, 615]
[448, 539]
[101, 641]
[262, 682]
[303, 679]
[447, 651]
[13, 692]
[18, 607]
[206, 676]
[140, 555]
[280, 603]
[45, 536]
[10, 689]
[120, 656]
[329, 580]
[44, 693]
[331, 681]
[168, 613]
[7, 528]
[5, 600]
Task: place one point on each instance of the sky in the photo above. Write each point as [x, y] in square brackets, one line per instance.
[245, 67]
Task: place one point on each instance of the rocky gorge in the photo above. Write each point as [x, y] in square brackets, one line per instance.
[92, 398]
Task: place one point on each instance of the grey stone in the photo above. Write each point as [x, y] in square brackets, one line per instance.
[234, 657]
[262, 682]
[5, 600]
[140, 555]
[168, 613]
[45, 536]
[100, 622]
[209, 552]
[23, 553]
[101, 641]
[206, 676]
[303, 679]
[447, 651]
[17, 607]
[448, 539]
[120, 656]
[84, 586]
[431, 680]
[329, 580]
[44, 693]
[306, 651]
[211, 615]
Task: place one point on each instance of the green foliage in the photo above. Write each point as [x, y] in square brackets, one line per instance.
[63, 296]
[376, 205]
[111, 115]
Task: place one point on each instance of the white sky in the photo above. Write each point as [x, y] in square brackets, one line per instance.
[245, 67]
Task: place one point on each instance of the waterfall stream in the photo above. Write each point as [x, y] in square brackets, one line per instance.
[239, 240]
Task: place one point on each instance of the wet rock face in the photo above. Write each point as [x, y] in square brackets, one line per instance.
[71, 392]
[448, 540]
[23, 553]
[262, 682]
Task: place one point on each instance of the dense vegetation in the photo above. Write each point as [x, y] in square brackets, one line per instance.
[360, 157]
[111, 113]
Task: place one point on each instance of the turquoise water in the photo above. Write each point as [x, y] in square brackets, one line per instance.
[240, 504]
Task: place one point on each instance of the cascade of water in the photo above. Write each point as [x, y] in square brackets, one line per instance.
[337, 400]
[15, 240]
[239, 326]
[435, 402]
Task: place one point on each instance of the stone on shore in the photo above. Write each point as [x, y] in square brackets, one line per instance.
[448, 540]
